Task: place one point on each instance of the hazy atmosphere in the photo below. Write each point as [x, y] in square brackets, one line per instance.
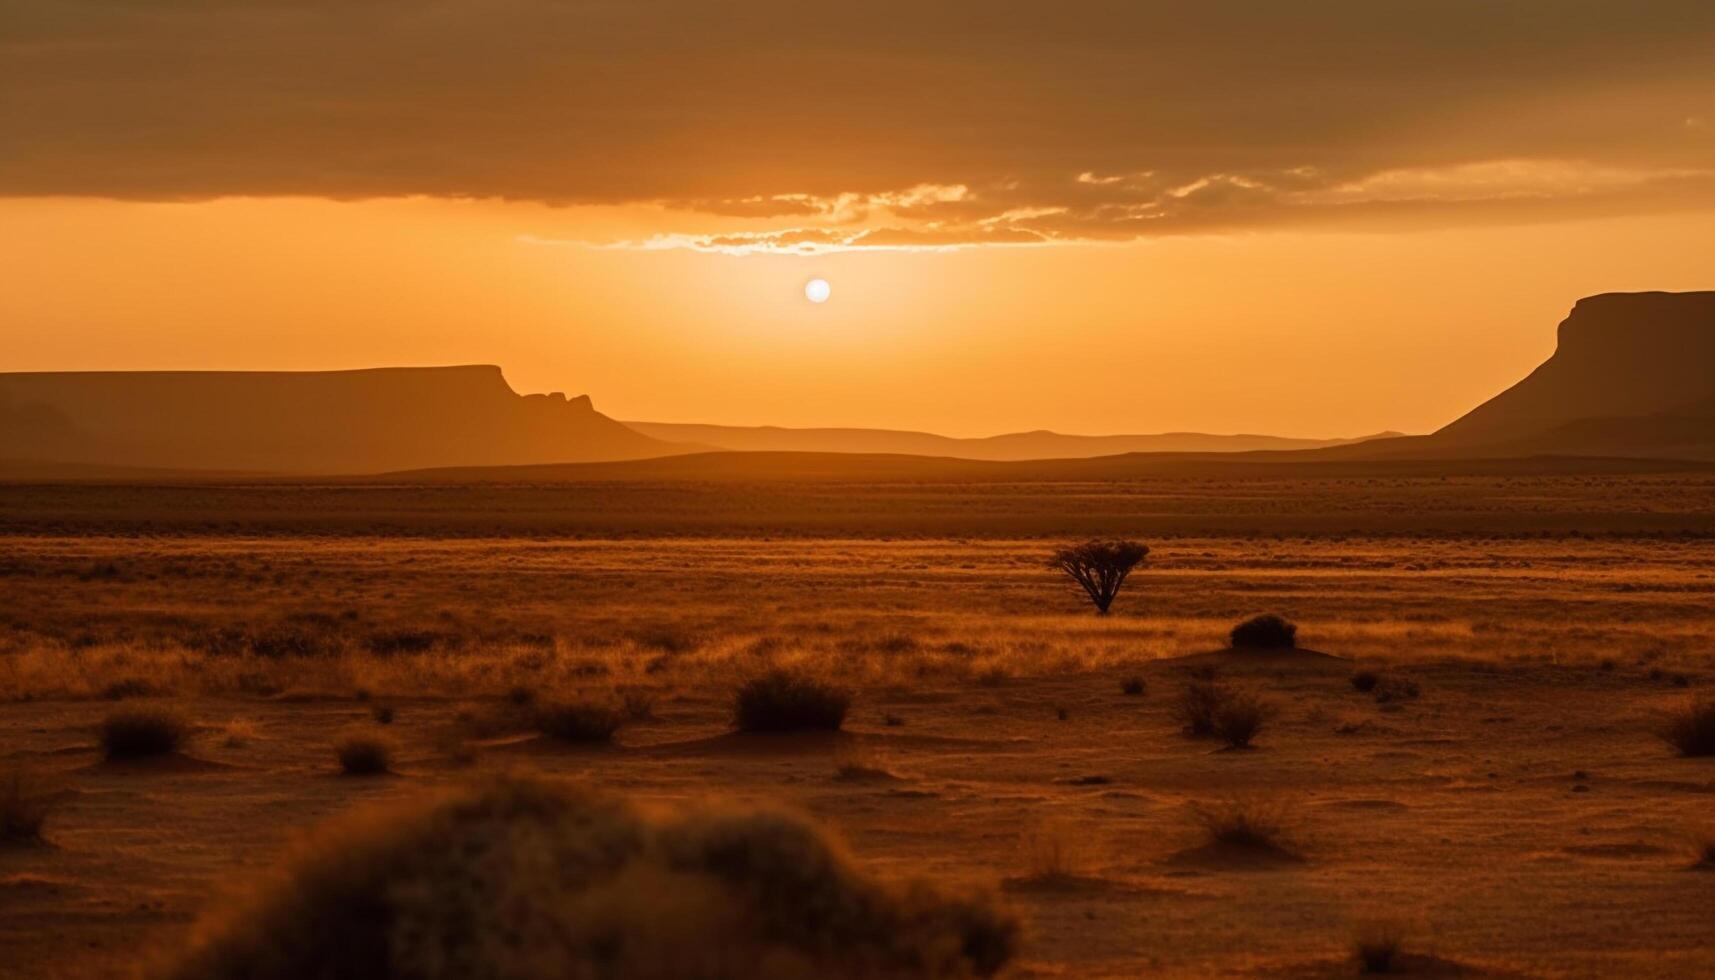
[763, 490]
[1089, 217]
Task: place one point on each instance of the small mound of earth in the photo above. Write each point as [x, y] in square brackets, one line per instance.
[1235, 857]
[1265, 657]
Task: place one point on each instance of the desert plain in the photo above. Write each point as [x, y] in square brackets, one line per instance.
[1462, 757]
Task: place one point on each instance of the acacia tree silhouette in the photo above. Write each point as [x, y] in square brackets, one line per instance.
[1100, 567]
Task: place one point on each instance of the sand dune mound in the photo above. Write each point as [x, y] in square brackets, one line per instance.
[519, 879]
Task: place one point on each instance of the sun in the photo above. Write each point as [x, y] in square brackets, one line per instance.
[818, 290]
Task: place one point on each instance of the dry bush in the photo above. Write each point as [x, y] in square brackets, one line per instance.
[518, 879]
[1133, 686]
[1198, 705]
[1365, 681]
[362, 754]
[25, 802]
[785, 701]
[1265, 632]
[1239, 717]
[1248, 824]
[135, 733]
[1691, 728]
[1377, 946]
[638, 703]
[1392, 689]
[589, 722]
[1054, 849]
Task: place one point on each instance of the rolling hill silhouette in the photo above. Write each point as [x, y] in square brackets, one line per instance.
[1040, 444]
[299, 422]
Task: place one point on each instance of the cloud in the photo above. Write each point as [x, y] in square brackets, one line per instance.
[979, 124]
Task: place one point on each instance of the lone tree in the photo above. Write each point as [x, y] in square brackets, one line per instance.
[1100, 567]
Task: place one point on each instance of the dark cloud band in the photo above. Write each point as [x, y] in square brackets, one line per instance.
[1072, 119]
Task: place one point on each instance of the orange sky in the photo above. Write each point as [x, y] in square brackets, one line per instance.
[1088, 216]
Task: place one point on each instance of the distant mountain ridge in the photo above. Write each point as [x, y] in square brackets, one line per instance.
[1040, 444]
[302, 422]
[1632, 378]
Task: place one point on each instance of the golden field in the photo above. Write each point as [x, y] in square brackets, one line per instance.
[1501, 801]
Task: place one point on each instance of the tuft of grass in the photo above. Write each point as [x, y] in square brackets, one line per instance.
[1053, 850]
[1239, 718]
[1249, 824]
[1265, 632]
[1377, 945]
[586, 722]
[128, 687]
[137, 733]
[520, 878]
[1691, 728]
[785, 701]
[638, 703]
[24, 807]
[362, 754]
[1133, 686]
[1365, 681]
[1198, 705]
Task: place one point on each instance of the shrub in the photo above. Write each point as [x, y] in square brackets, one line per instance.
[1100, 567]
[1266, 632]
[1396, 689]
[1377, 947]
[784, 701]
[1239, 717]
[1245, 824]
[579, 721]
[1133, 686]
[1054, 850]
[1198, 704]
[24, 806]
[521, 878]
[1691, 729]
[638, 703]
[382, 713]
[1365, 681]
[364, 755]
[135, 733]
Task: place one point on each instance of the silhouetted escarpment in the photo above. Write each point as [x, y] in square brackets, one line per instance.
[1629, 368]
[303, 421]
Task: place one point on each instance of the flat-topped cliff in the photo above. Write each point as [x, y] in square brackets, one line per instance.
[303, 421]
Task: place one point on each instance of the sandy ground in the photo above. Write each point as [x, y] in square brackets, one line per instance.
[1518, 817]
